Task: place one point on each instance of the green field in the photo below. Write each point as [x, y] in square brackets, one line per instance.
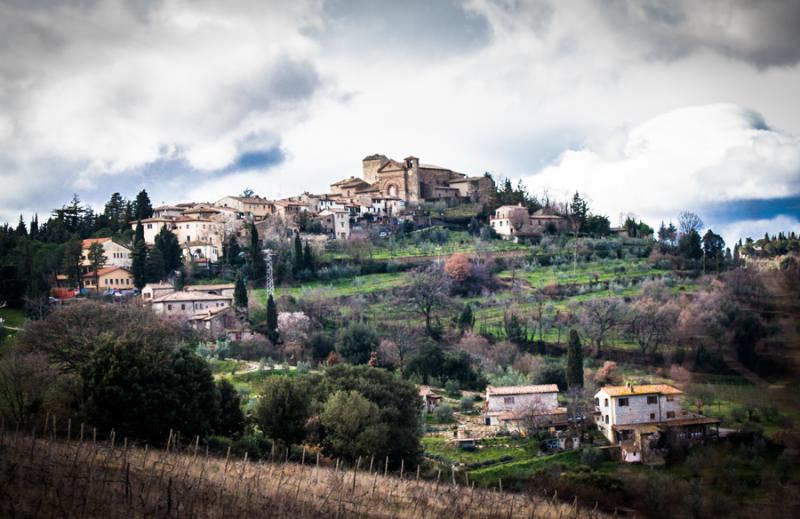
[339, 288]
[13, 317]
[585, 273]
[490, 449]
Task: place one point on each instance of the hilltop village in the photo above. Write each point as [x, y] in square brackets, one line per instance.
[452, 326]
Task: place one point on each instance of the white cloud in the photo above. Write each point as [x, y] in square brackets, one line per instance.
[757, 228]
[685, 159]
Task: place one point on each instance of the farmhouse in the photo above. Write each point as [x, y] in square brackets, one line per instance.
[116, 254]
[185, 305]
[109, 279]
[511, 406]
[429, 398]
[512, 222]
[643, 418]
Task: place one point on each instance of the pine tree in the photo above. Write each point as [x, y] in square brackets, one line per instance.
[139, 263]
[71, 264]
[114, 213]
[34, 232]
[574, 371]
[272, 319]
[97, 259]
[142, 207]
[155, 266]
[22, 230]
[240, 292]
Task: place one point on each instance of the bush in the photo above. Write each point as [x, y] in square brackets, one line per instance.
[453, 387]
[592, 457]
[467, 404]
[443, 413]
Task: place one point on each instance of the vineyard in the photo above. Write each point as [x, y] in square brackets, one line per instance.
[52, 477]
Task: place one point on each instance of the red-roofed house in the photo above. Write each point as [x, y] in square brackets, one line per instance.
[109, 278]
[116, 255]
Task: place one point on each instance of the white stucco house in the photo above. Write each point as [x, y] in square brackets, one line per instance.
[509, 406]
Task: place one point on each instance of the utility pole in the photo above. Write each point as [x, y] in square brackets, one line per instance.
[270, 282]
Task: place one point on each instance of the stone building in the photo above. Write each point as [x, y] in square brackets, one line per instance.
[412, 181]
[644, 418]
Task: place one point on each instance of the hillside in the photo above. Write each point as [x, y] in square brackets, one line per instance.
[86, 479]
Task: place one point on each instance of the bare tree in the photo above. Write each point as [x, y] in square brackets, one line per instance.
[598, 318]
[428, 290]
[688, 222]
[650, 323]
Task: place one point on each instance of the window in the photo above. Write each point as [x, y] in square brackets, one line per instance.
[606, 402]
[652, 416]
[169, 307]
[623, 402]
[597, 402]
[606, 418]
[670, 398]
[508, 400]
[183, 306]
[652, 399]
[670, 414]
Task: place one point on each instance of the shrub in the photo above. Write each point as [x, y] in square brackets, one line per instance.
[592, 457]
[453, 387]
[443, 413]
[466, 404]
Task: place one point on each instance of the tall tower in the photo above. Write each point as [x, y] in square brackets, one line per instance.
[370, 166]
[412, 175]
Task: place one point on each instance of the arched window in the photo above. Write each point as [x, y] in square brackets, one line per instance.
[392, 190]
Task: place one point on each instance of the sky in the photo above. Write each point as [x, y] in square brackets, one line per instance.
[647, 107]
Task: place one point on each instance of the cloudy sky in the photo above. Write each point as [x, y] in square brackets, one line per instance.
[648, 107]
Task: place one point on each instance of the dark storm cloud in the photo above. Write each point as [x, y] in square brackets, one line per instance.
[764, 33]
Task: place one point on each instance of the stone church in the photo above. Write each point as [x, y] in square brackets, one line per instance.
[413, 182]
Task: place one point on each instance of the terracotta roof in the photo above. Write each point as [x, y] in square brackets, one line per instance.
[433, 166]
[203, 288]
[521, 390]
[88, 242]
[646, 389]
[190, 296]
[427, 391]
[104, 271]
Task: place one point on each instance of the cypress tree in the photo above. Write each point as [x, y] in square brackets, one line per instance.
[258, 266]
[298, 253]
[272, 319]
[139, 235]
[167, 243]
[139, 259]
[467, 319]
[155, 266]
[240, 292]
[308, 258]
[574, 369]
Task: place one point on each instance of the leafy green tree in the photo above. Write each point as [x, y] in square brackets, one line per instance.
[283, 409]
[142, 208]
[356, 343]
[574, 370]
[713, 250]
[143, 391]
[399, 409]
[321, 344]
[240, 292]
[272, 319]
[231, 418]
[180, 280]
[167, 243]
[232, 251]
[353, 426]
[97, 258]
